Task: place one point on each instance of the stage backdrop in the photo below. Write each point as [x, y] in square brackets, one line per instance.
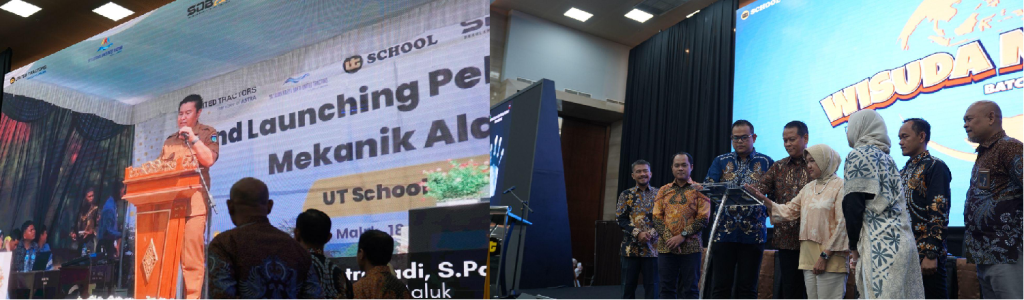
[820, 61]
[372, 112]
[396, 126]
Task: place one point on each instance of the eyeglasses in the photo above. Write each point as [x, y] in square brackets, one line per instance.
[740, 137]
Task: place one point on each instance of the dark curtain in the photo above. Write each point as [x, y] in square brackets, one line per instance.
[49, 156]
[679, 95]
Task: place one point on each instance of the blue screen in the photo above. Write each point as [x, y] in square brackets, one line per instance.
[819, 61]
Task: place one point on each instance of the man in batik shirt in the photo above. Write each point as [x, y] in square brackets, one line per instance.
[739, 242]
[783, 181]
[993, 210]
[255, 259]
[639, 251]
[313, 231]
[926, 186]
[373, 256]
[680, 214]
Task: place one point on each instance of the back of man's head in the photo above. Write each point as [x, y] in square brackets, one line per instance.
[377, 247]
[250, 192]
[314, 227]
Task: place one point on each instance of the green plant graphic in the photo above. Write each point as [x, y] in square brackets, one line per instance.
[461, 181]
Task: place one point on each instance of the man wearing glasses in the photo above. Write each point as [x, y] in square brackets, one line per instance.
[203, 139]
[741, 234]
[639, 251]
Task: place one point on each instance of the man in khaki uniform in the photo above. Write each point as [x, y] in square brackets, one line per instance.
[205, 146]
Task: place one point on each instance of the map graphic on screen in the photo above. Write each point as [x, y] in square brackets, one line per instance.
[820, 61]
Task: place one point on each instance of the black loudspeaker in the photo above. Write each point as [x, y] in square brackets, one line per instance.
[607, 265]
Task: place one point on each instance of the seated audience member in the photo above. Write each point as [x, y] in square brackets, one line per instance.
[313, 231]
[25, 253]
[255, 259]
[11, 241]
[43, 246]
[375, 248]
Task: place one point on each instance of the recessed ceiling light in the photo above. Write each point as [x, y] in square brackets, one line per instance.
[20, 8]
[639, 15]
[693, 13]
[113, 11]
[578, 14]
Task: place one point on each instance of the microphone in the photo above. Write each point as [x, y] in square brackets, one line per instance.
[509, 190]
[183, 135]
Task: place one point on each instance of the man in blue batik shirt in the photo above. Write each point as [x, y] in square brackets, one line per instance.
[741, 233]
[107, 233]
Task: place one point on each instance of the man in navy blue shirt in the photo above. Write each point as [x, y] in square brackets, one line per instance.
[107, 233]
[42, 245]
[739, 242]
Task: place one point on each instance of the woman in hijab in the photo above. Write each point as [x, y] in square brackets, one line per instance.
[877, 220]
[823, 240]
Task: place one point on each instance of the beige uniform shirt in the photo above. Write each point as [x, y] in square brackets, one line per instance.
[174, 148]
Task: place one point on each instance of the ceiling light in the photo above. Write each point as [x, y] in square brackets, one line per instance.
[578, 14]
[20, 8]
[693, 13]
[639, 15]
[113, 11]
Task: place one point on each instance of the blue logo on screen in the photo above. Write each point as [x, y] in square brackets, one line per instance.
[296, 79]
[106, 44]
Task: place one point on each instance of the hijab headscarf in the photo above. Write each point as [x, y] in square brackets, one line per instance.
[866, 127]
[827, 160]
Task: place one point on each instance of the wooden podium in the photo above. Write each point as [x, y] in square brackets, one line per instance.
[161, 191]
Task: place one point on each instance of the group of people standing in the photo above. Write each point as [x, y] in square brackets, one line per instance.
[256, 260]
[887, 225]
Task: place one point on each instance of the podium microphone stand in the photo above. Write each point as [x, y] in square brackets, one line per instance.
[729, 195]
[509, 226]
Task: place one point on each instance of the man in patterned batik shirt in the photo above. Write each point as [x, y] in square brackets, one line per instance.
[639, 251]
[926, 186]
[993, 210]
[373, 257]
[313, 231]
[680, 213]
[255, 259]
[739, 242]
[783, 181]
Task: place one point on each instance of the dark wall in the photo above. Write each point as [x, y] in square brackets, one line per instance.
[585, 160]
[5, 64]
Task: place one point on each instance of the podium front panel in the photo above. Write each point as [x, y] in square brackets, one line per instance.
[158, 249]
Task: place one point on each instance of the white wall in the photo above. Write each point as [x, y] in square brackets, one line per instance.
[575, 60]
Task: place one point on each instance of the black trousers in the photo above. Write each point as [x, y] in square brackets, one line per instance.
[105, 248]
[935, 284]
[791, 281]
[736, 268]
[632, 267]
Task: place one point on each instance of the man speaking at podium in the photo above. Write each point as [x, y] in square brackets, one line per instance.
[203, 139]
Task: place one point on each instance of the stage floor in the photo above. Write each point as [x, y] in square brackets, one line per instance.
[587, 292]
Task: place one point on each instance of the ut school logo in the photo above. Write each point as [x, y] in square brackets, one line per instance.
[353, 64]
